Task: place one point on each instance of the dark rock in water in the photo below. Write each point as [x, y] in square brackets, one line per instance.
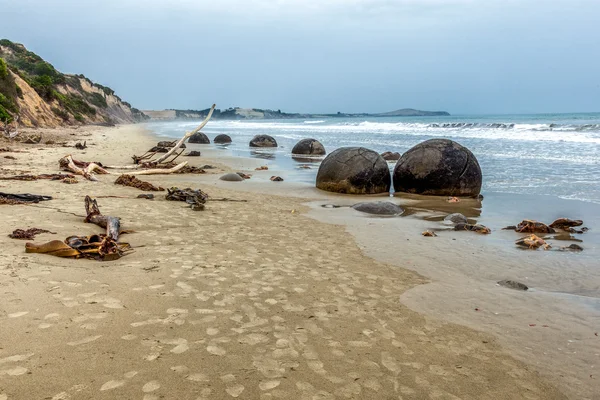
[474, 228]
[263, 141]
[277, 179]
[530, 226]
[354, 170]
[199, 138]
[148, 196]
[513, 285]
[510, 228]
[572, 247]
[231, 177]
[455, 218]
[309, 147]
[222, 139]
[379, 208]
[438, 167]
[565, 223]
[208, 167]
[582, 230]
[390, 156]
[193, 153]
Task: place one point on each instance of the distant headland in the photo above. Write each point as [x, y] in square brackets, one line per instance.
[238, 113]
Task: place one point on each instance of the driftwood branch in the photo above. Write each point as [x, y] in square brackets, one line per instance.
[160, 171]
[94, 216]
[84, 169]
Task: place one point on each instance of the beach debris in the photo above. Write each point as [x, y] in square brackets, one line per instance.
[10, 157]
[276, 179]
[429, 234]
[189, 169]
[11, 130]
[102, 247]
[69, 181]
[456, 218]
[147, 196]
[513, 285]
[147, 161]
[533, 242]
[193, 153]
[474, 228]
[390, 156]
[52, 177]
[262, 168]
[243, 175]
[531, 226]
[85, 169]
[130, 180]
[31, 139]
[232, 177]
[22, 198]
[27, 234]
[195, 198]
[379, 208]
[572, 247]
[452, 199]
[81, 146]
[565, 223]
[168, 144]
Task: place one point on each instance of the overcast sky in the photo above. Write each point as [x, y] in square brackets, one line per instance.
[463, 56]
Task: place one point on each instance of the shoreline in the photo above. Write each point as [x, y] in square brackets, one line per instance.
[240, 300]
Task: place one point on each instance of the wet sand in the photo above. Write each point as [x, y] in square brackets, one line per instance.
[251, 300]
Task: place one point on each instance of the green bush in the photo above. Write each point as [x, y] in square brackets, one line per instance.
[19, 91]
[61, 113]
[79, 118]
[5, 116]
[3, 69]
[43, 86]
[97, 99]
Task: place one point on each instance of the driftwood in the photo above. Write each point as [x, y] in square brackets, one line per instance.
[195, 198]
[130, 180]
[103, 247]
[80, 146]
[52, 177]
[27, 234]
[10, 132]
[82, 168]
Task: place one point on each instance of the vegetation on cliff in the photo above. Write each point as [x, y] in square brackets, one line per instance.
[71, 98]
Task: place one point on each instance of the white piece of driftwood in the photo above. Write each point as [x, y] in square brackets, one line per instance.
[68, 164]
[160, 171]
[185, 137]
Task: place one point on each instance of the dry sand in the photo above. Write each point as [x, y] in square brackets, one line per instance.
[250, 300]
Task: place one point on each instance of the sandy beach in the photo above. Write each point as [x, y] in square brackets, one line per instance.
[272, 298]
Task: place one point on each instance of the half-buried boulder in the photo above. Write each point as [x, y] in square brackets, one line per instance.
[354, 170]
[199, 138]
[263, 141]
[309, 147]
[231, 177]
[390, 156]
[222, 139]
[379, 208]
[438, 167]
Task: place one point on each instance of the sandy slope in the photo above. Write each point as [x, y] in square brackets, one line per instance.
[244, 300]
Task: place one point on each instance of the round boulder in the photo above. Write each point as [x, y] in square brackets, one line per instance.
[222, 139]
[438, 167]
[456, 218]
[390, 156]
[263, 141]
[231, 177]
[354, 170]
[309, 147]
[379, 208]
[199, 138]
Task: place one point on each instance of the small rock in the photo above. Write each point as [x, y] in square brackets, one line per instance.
[379, 208]
[456, 218]
[429, 234]
[231, 177]
[565, 223]
[193, 153]
[148, 196]
[513, 285]
[262, 168]
[572, 247]
[277, 179]
[474, 228]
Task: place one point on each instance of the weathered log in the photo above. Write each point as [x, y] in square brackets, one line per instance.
[94, 216]
[82, 168]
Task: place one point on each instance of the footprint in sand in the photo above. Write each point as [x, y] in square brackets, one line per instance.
[18, 314]
[14, 371]
[111, 385]
[235, 390]
[84, 340]
[151, 387]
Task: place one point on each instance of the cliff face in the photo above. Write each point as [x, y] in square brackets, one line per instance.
[40, 96]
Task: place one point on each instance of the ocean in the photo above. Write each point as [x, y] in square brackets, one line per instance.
[544, 154]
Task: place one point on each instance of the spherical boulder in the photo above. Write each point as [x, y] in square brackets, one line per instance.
[222, 139]
[438, 167]
[231, 177]
[379, 208]
[309, 147]
[199, 138]
[263, 141]
[354, 170]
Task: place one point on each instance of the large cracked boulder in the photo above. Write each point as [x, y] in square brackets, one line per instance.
[438, 167]
[309, 147]
[354, 170]
[222, 139]
[199, 138]
[263, 141]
